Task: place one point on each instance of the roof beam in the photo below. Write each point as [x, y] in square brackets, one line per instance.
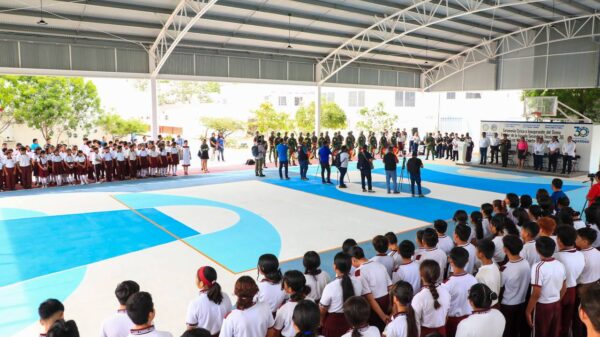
[179, 23]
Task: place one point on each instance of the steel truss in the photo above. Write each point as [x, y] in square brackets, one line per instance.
[421, 14]
[183, 18]
[560, 30]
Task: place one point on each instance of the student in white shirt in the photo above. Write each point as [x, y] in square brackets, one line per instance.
[403, 322]
[458, 286]
[498, 232]
[270, 290]
[553, 153]
[335, 294]
[380, 243]
[430, 241]
[589, 311]
[375, 282]
[548, 281]
[538, 154]
[408, 270]
[591, 270]
[50, 311]
[140, 310]
[516, 276]
[208, 310]
[432, 302]
[462, 233]
[529, 232]
[249, 318]
[119, 324]
[445, 243]
[393, 249]
[487, 211]
[568, 152]
[574, 262]
[488, 273]
[316, 278]
[294, 284]
[484, 321]
[357, 310]
[306, 319]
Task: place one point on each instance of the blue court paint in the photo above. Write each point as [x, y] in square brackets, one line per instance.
[170, 224]
[18, 213]
[20, 302]
[41, 245]
[237, 247]
[425, 209]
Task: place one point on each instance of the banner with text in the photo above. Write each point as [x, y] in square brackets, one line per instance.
[581, 133]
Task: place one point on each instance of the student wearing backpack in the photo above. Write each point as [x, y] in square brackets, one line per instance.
[258, 151]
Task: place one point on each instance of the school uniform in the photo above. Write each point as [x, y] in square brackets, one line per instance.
[458, 286]
[408, 272]
[529, 253]
[174, 156]
[186, 156]
[470, 267]
[591, 270]
[538, 156]
[250, 322]
[132, 158]
[24, 162]
[376, 281]
[10, 179]
[368, 331]
[397, 258]
[108, 165]
[121, 165]
[490, 275]
[332, 299]
[499, 256]
[445, 243]
[80, 162]
[398, 327]
[271, 293]
[386, 260]
[148, 332]
[144, 162]
[488, 323]
[117, 325]
[164, 160]
[1, 173]
[516, 277]
[574, 262]
[550, 275]
[69, 164]
[317, 283]
[553, 153]
[97, 161]
[283, 319]
[438, 256]
[429, 318]
[206, 314]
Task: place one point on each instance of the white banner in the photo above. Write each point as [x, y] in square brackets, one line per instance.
[581, 133]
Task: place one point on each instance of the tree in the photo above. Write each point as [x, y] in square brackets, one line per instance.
[8, 99]
[586, 101]
[56, 105]
[376, 118]
[332, 116]
[117, 127]
[226, 126]
[267, 119]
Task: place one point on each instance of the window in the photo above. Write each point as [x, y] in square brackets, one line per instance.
[329, 96]
[298, 101]
[282, 100]
[450, 95]
[473, 95]
[405, 99]
[356, 98]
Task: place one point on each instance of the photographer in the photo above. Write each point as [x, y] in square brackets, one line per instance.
[594, 192]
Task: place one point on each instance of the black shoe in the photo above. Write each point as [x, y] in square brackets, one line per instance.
[324, 182]
[287, 178]
[371, 191]
[343, 186]
[262, 175]
[396, 192]
[330, 183]
[364, 190]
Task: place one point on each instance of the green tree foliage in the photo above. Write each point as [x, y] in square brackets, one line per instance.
[266, 118]
[376, 118]
[226, 126]
[117, 127]
[54, 105]
[332, 116]
[184, 92]
[586, 101]
[8, 101]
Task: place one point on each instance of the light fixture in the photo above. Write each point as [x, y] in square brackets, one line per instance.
[42, 22]
[290, 31]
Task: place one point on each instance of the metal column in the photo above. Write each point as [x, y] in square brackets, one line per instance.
[154, 116]
[318, 110]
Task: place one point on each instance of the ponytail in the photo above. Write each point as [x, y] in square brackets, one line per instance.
[214, 293]
[430, 272]
[268, 264]
[412, 329]
[477, 219]
[355, 332]
[296, 281]
[63, 328]
[347, 287]
[208, 276]
[434, 293]
[403, 292]
[342, 263]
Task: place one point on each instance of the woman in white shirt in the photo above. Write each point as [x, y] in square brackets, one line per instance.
[316, 278]
[208, 310]
[431, 304]
[483, 319]
[249, 318]
[403, 322]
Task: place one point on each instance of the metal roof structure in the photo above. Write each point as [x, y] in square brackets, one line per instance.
[410, 44]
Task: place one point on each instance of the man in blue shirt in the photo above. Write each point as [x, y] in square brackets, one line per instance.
[34, 145]
[557, 191]
[324, 153]
[282, 152]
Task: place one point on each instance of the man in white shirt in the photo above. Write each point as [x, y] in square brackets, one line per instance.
[538, 154]
[140, 310]
[553, 153]
[484, 143]
[488, 273]
[568, 151]
[494, 148]
[119, 324]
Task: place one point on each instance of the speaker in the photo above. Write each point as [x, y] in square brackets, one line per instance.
[413, 131]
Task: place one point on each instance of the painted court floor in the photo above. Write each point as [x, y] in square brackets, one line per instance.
[77, 243]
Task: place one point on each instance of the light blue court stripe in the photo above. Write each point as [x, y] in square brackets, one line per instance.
[425, 209]
[18, 308]
[404, 188]
[18, 213]
[237, 247]
[38, 246]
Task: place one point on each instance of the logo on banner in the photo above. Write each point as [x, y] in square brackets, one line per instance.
[581, 132]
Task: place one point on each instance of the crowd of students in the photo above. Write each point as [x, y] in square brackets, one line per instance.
[513, 268]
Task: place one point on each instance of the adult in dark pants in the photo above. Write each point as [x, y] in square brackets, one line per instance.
[470, 146]
[484, 143]
[282, 152]
[413, 166]
[494, 148]
[568, 151]
[303, 159]
[324, 153]
[343, 168]
[553, 153]
[391, 162]
[365, 165]
[504, 149]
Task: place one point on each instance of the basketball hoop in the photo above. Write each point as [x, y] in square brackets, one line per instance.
[537, 115]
